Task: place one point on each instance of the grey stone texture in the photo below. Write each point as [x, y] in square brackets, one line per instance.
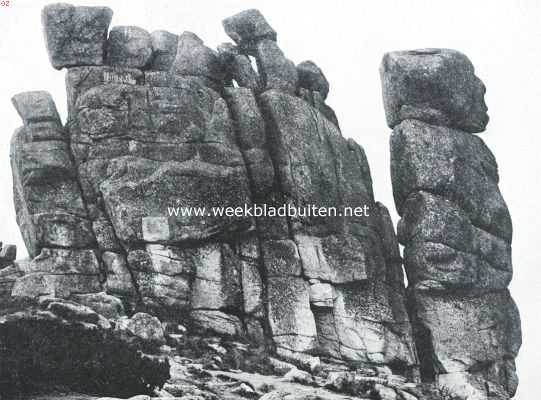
[128, 46]
[455, 226]
[75, 36]
[247, 29]
[170, 122]
[437, 86]
[159, 121]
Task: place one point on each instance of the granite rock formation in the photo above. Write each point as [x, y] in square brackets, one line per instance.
[455, 225]
[159, 120]
[159, 123]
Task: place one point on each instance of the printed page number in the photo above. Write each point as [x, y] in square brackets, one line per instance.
[4, 3]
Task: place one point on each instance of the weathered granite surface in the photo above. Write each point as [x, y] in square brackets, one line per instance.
[159, 120]
[160, 125]
[437, 86]
[75, 35]
[455, 225]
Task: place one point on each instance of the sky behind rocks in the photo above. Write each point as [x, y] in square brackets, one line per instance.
[347, 40]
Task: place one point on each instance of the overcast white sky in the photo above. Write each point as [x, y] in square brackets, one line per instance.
[347, 40]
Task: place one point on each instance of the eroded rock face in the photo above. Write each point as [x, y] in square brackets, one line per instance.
[164, 46]
[129, 46]
[455, 225]
[50, 209]
[169, 122]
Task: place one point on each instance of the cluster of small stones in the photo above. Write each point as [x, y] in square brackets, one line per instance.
[159, 120]
[455, 225]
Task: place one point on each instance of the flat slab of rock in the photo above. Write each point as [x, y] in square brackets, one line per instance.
[35, 106]
[75, 36]
[437, 86]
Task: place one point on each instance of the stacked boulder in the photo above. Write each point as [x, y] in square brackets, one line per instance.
[158, 121]
[50, 209]
[148, 133]
[455, 225]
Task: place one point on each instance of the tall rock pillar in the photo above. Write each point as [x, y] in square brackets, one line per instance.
[49, 205]
[455, 225]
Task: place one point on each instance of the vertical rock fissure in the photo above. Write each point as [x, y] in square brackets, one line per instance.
[77, 178]
[255, 200]
[124, 254]
[120, 250]
[272, 147]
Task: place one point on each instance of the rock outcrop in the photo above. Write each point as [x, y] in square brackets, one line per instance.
[455, 225]
[214, 189]
[159, 121]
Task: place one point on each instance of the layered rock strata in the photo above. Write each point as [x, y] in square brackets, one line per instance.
[51, 212]
[158, 121]
[455, 225]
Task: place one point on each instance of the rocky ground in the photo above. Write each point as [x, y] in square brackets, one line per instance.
[105, 357]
